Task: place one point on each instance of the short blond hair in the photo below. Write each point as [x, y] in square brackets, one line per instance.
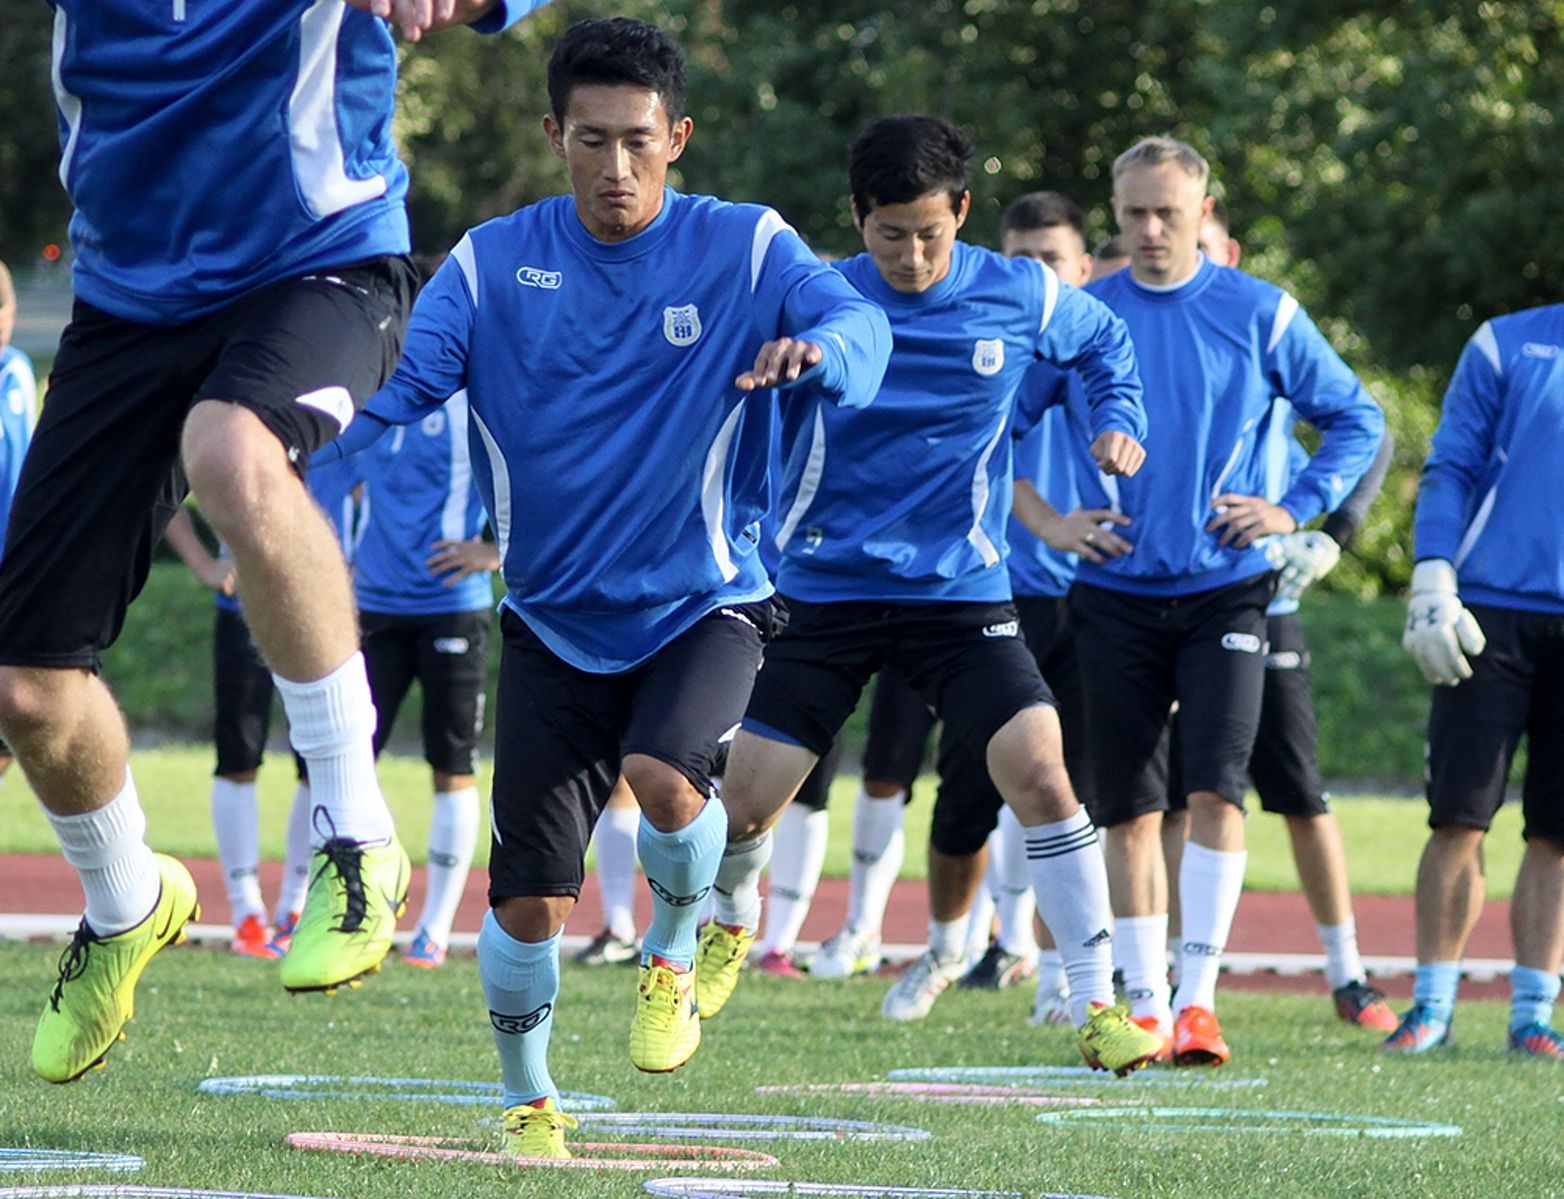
[1154, 151]
[7, 290]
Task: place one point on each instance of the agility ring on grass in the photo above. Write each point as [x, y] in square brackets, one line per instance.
[1066, 1076]
[701, 1126]
[1227, 1120]
[17, 1161]
[737, 1188]
[419, 1090]
[588, 1155]
[933, 1092]
[114, 1191]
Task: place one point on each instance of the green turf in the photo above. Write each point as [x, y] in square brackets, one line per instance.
[1384, 835]
[203, 1013]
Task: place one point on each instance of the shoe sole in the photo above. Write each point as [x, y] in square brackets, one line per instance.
[1121, 1071]
[1199, 1057]
[352, 982]
[678, 1065]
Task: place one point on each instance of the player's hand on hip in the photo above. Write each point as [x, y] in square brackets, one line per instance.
[413, 18]
[1089, 533]
[1244, 519]
[1440, 634]
[1117, 453]
[1302, 558]
[779, 363]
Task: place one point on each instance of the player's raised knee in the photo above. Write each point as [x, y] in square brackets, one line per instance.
[233, 461]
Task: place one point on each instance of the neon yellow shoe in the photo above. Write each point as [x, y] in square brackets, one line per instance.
[719, 957]
[1110, 1040]
[536, 1131]
[96, 993]
[666, 1029]
[356, 894]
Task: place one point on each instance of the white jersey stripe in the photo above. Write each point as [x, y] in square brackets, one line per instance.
[453, 513]
[714, 494]
[766, 229]
[319, 163]
[69, 105]
[500, 517]
[1050, 295]
[468, 261]
[980, 540]
[1488, 344]
[1285, 311]
[808, 483]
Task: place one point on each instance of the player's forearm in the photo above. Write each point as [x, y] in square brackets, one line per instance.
[1351, 437]
[1342, 524]
[186, 542]
[1035, 513]
[855, 343]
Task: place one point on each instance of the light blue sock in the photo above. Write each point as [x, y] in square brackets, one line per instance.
[520, 984]
[1532, 995]
[1434, 986]
[680, 868]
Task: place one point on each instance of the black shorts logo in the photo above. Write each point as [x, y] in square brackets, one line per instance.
[676, 901]
[519, 1025]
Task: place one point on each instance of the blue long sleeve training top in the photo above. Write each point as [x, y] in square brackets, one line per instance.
[1214, 352]
[624, 473]
[211, 148]
[908, 500]
[1492, 489]
[1051, 425]
[420, 490]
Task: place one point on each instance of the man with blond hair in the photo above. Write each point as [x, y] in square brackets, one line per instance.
[1181, 618]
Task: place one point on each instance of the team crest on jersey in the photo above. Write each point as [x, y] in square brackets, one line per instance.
[682, 325]
[433, 424]
[988, 356]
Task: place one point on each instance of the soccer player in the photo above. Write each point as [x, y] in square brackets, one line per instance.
[619, 347]
[18, 412]
[1486, 626]
[613, 841]
[1284, 766]
[241, 285]
[897, 516]
[421, 574]
[1181, 617]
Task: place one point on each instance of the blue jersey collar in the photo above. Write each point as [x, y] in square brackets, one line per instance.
[646, 240]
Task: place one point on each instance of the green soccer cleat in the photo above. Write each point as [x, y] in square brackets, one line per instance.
[666, 1029]
[536, 1131]
[356, 894]
[96, 993]
[1110, 1040]
[719, 957]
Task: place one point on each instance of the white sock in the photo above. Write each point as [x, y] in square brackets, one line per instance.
[453, 834]
[296, 864]
[1143, 956]
[331, 722]
[878, 848]
[737, 889]
[980, 921]
[614, 839]
[237, 824]
[796, 861]
[1343, 964]
[1071, 881]
[1210, 883]
[109, 850]
[948, 939]
[1051, 978]
[1013, 896]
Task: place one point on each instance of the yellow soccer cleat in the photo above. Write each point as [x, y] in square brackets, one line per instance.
[356, 894]
[536, 1131]
[719, 957]
[96, 993]
[1110, 1040]
[666, 1029]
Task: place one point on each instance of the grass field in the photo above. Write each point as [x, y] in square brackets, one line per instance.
[204, 1014]
[1384, 834]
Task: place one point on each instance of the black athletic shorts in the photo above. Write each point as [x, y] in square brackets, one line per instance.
[561, 733]
[242, 687]
[899, 726]
[966, 807]
[1284, 766]
[448, 654]
[1141, 654]
[815, 793]
[966, 660]
[102, 476]
[1517, 687]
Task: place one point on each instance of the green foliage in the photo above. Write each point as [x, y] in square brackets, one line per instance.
[33, 206]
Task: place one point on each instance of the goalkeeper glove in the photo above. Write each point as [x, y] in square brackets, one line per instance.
[1440, 632]
[1302, 558]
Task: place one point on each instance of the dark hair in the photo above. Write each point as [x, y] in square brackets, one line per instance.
[898, 159]
[618, 50]
[1112, 248]
[1043, 210]
[1220, 215]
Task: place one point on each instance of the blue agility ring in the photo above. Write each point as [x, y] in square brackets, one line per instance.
[739, 1188]
[1064, 1076]
[18, 1161]
[698, 1126]
[1265, 1123]
[405, 1090]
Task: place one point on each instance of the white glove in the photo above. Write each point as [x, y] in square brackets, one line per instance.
[1440, 633]
[1302, 558]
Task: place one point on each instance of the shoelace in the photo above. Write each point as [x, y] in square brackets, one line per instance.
[667, 1011]
[73, 962]
[347, 859]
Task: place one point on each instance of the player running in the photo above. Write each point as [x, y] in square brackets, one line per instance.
[893, 552]
[618, 346]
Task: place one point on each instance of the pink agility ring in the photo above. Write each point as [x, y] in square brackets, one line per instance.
[935, 1092]
[590, 1155]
